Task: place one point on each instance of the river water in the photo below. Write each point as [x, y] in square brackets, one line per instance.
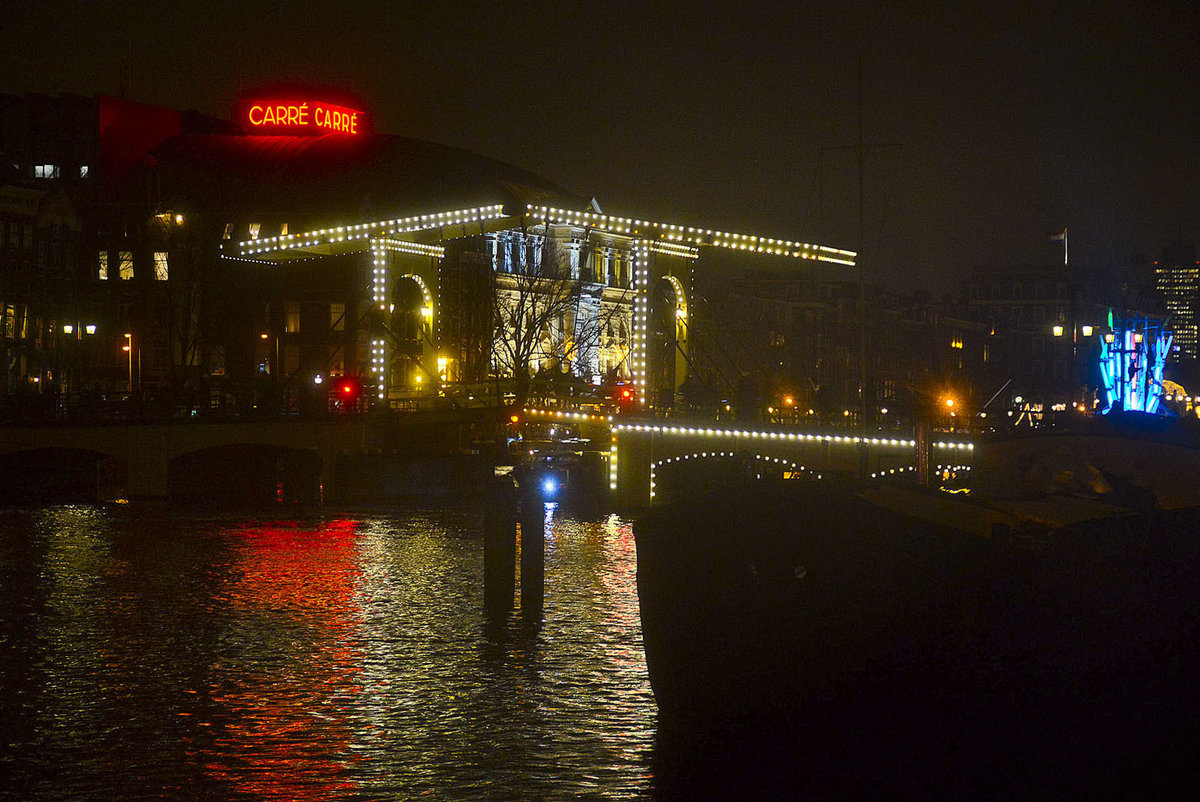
[157, 652]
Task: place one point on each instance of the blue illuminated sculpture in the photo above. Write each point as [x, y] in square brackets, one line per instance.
[1132, 358]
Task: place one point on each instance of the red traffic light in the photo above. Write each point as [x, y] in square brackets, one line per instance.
[626, 399]
[347, 390]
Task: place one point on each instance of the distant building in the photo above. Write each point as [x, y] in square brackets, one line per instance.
[1177, 279]
[1045, 321]
[802, 338]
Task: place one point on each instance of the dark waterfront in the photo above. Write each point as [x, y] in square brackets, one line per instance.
[160, 652]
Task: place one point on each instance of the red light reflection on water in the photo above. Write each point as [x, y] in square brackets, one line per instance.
[281, 728]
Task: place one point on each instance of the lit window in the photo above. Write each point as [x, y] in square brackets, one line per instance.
[160, 266]
[291, 317]
[102, 273]
[45, 171]
[83, 171]
[254, 229]
[228, 231]
[283, 229]
[125, 271]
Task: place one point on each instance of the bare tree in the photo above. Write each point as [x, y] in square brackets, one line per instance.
[549, 313]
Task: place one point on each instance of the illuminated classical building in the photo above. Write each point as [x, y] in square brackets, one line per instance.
[294, 243]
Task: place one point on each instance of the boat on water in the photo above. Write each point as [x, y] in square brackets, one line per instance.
[899, 638]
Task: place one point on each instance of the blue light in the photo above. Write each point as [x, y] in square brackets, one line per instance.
[1131, 366]
[549, 486]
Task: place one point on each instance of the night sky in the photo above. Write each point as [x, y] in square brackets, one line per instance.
[1011, 120]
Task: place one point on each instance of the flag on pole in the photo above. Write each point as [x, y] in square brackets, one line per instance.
[1061, 237]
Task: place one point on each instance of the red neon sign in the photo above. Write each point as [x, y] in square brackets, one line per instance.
[311, 117]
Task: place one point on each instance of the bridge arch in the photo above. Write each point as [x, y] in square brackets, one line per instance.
[677, 307]
[739, 464]
[395, 264]
[246, 471]
[56, 474]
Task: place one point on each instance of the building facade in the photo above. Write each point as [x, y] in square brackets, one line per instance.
[181, 260]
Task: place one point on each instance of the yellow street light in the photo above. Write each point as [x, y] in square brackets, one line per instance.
[128, 348]
[1058, 331]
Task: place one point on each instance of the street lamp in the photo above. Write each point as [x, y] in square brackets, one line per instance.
[128, 348]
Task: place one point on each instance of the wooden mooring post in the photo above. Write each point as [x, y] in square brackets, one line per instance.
[500, 549]
[533, 553]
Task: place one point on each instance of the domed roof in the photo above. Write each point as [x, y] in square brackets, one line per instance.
[324, 180]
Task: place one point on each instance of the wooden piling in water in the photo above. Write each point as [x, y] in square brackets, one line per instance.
[500, 549]
[533, 553]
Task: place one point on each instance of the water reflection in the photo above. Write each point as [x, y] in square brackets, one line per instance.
[327, 657]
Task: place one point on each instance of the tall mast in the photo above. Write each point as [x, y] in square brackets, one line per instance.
[862, 285]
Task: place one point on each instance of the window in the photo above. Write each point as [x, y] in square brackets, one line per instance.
[337, 317]
[228, 231]
[291, 317]
[254, 229]
[45, 171]
[10, 321]
[161, 271]
[102, 273]
[125, 267]
[83, 171]
[283, 229]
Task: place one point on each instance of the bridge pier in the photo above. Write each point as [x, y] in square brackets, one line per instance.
[147, 473]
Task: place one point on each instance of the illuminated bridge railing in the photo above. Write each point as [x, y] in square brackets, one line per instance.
[639, 449]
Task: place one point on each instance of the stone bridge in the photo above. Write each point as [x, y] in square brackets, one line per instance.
[145, 452]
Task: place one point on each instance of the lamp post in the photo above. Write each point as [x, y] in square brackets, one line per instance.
[128, 349]
[1076, 330]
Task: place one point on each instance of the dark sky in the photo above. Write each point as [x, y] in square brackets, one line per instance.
[1012, 120]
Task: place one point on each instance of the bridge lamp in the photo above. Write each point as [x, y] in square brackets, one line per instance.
[89, 329]
[1058, 331]
[789, 401]
[68, 328]
[318, 379]
[264, 336]
[549, 486]
[1086, 330]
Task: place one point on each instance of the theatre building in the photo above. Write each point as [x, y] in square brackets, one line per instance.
[195, 261]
